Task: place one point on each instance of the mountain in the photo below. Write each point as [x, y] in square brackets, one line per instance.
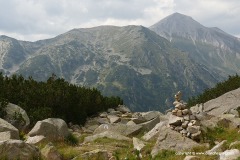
[132, 62]
[208, 46]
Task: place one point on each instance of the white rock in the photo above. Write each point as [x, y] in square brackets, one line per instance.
[232, 154]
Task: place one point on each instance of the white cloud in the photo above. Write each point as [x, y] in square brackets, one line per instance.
[38, 19]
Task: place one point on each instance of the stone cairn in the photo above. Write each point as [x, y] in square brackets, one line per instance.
[183, 120]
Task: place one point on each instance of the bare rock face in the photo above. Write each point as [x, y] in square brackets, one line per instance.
[172, 140]
[36, 139]
[155, 131]
[17, 149]
[51, 128]
[8, 131]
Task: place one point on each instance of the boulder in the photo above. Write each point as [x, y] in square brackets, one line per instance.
[8, 131]
[123, 129]
[17, 116]
[175, 120]
[17, 149]
[103, 121]
[113, 118]
[103, 115]
[51, 128]
[107, 134]
[171, 140]
[232, 154]
[193, 129]
[50, 152]
[155, 131]
[123, 109]
[36, 140]
[151, 115]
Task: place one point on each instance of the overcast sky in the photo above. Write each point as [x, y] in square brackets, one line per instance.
[33, 20]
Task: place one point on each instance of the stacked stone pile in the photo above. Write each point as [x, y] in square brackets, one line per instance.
[182, 120]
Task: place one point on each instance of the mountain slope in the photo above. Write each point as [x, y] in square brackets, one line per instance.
[208, 46]
[132, 62]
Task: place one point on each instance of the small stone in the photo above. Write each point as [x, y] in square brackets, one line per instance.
[192, 117]
[184, 131]
[185, 124]
[185, 111]
[195, 122]
[178, 128]
[186, 117]
[179, 113]
[196, 136]
[193, 129]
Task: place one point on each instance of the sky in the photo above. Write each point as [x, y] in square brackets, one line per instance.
[33, 20]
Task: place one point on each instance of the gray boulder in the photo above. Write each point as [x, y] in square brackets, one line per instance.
[123, 129]
[123, 109]
[175, 120]
[17, 149]
[151, 115]
[51, 128]
[172, 140]
[113, 118]
[8, 131]
[17, 116]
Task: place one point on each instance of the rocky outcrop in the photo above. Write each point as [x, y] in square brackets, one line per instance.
[8, 131]
[17, 149]
[17, 116]
[223, 104]
[51, 128]
[95, 154]
[155, 131]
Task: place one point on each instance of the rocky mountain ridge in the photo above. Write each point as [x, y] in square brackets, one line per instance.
[209, 46]
[131, 62]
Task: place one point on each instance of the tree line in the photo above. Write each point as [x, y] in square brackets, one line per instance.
[54, 98]
[233, 82]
